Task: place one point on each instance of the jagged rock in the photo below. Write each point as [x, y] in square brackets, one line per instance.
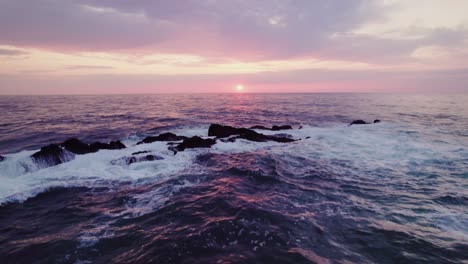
[55, 154]
[162, 137]
[248, 134]
[285, 127]
[260, 127]
[377, 121]
[76, 146]
[265, 138]
[96, 146]
[273, 128]
[216, 130]
[52, 155]
[2, 158]
[358, 122]
[194, 142]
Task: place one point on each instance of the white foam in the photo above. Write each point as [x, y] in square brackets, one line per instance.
[366, 147]
[21, 178]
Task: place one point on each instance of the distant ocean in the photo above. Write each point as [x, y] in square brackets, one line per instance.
[390, 192]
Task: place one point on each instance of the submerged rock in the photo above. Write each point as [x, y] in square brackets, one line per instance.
[162, 137]
[194, 142]
[52, 155]
[135, 159]
[2, 158]
[358, 122]
[362, 122]
[140, 152]
[76, 146]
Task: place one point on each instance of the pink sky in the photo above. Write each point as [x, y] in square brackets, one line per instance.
[145, 46]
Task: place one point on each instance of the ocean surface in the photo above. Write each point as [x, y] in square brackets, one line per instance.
[392, 192]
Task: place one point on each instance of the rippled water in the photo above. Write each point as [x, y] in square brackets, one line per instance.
[393, 192]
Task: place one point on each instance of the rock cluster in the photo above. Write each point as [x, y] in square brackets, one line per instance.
[362, 122]
[55, 154]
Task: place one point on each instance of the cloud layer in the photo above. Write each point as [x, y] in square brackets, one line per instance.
[199, 34]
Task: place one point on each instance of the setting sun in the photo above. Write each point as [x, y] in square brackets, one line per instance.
[240, 87]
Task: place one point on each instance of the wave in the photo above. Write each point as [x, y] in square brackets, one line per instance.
[383, 149]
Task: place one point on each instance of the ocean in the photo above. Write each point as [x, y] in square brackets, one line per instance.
[389, 192]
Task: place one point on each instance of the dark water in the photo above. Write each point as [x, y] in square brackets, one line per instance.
[393, 192]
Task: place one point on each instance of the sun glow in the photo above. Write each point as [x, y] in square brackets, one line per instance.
[239, 87]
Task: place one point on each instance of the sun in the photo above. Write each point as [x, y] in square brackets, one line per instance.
[239, 87]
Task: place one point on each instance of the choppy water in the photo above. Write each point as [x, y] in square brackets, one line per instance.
[393, 192]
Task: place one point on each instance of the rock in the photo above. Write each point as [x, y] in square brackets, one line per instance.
[220, 131]
[285, 127]
[2, 158]
[273, 128]
[162, 137]
[377, 121]
[96, 146]
[55, 154]
[194, 142]
[76, 146]
[52, 155]
[140, 152]
[135, 159]
[260, 127]
[358, 122]
[265, 138]
[248, 134]
[143, 158]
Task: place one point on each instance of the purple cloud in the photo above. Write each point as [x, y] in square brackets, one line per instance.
[238, 28]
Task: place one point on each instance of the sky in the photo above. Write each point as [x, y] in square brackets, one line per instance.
[210, 46]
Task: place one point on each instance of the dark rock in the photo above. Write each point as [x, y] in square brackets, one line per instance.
[358, 122]
[162, 137]
[307, 137]
[265, 138]
[229, 139]
[260, 127]
[277, 128]
[194, 142]
[248, 134]
[2, 158]
[273, 128]
[52, 155]
[140, 152]
[143, 158]
[377, 121]
[76, 146]
[220, 131]
[96, 146]
[135, 159]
